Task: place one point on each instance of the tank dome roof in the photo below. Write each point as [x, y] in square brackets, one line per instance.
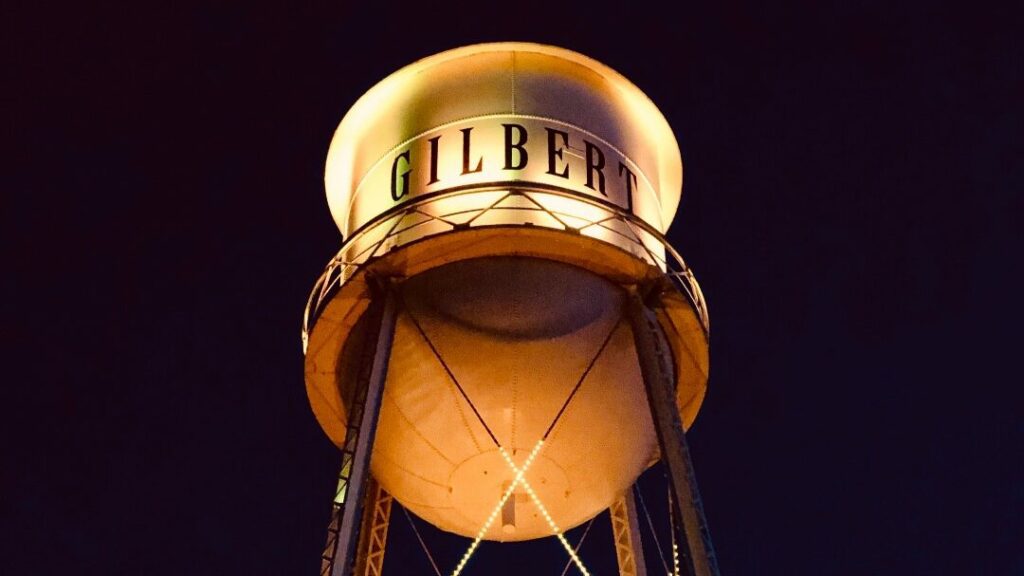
[507, 79]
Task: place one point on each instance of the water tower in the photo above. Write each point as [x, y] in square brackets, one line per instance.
[505, 340]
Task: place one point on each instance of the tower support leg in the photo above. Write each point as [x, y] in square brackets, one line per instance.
[373, 536]
[629, 549]
[656, 368]
[346, 512]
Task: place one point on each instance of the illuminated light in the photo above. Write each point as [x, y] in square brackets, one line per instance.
[675, 558]
[519, 477]
[520, 474]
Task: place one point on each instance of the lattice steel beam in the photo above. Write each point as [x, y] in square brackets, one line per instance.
[373, 535]
[629, 549]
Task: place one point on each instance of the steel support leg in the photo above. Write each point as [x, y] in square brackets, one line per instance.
[655, 359]
[373, 536]
[363, 411]
[629, 550]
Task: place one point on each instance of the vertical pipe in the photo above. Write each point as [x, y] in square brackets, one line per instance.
[655, 360]
[508, 512]
[351, 512]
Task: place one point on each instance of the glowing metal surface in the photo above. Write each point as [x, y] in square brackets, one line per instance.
[507, 111]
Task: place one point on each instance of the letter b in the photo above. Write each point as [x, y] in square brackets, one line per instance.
[518, 145]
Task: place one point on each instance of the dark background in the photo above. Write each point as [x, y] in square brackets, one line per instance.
[852, 207]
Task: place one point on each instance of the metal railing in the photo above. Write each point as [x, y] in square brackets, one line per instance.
[439, 213]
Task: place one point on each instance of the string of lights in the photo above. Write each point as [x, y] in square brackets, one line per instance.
[544, 511]
[519, 477]
[672, 531]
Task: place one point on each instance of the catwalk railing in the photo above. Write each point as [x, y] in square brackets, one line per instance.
[550, 208]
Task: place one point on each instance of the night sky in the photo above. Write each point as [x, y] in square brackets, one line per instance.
[852, 207]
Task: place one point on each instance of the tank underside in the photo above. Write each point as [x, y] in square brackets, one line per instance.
[516, 334]
[503, 323]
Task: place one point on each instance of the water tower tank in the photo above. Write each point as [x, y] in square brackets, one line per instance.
[514, 197]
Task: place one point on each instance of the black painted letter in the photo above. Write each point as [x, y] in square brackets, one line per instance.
[465, 154]
[554, 152]
[397, 194]
[630, 185]
[595, 162]
[518, 145]
[433, 160]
